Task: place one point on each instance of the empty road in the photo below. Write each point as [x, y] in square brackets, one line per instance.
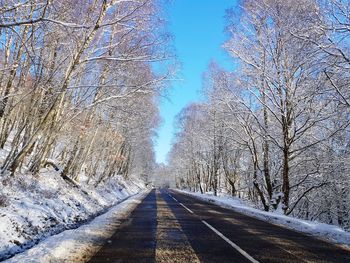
[171, 227]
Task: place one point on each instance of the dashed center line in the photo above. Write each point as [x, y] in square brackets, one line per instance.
[241, 251]
[189, 210]
[173, 197]
[232, 244]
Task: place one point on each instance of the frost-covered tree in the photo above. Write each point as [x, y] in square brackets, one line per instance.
[279, 124]
[78, 89]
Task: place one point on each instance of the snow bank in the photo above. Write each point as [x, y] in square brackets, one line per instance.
[34, 208]
[329, 232]
[80, 244]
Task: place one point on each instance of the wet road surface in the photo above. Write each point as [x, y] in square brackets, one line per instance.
[172, 227]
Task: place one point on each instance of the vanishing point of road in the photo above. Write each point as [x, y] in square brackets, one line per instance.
[172, 227]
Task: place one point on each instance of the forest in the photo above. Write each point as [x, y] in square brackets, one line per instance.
[79, 91]
[274, 130]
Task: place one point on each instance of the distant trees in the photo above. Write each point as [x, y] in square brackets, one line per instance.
[77, 86]
[277, 128]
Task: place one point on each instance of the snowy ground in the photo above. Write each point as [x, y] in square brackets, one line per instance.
[34, 208]
[329, 232]
[80, 244]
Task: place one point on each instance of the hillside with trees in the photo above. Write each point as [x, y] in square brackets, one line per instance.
[78, 90]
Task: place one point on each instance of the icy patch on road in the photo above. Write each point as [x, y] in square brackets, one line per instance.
[330, 232]
[80, 244]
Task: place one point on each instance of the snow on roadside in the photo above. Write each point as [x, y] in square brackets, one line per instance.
[33, 208]
[329, 232]
[80, 244]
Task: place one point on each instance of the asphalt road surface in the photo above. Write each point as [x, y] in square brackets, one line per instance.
[172, 227]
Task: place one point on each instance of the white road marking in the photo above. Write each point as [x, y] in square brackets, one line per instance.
[172, 197]
[167, 221]
[232, 244]
[189, 210]
[245, 254]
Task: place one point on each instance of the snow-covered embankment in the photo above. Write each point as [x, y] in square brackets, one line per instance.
[33, 208]
[80, 244]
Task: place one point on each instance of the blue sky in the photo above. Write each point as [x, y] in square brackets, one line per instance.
[198, 30]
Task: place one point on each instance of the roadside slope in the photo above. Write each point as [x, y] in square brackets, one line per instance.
[80, 244]
[33, 208]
